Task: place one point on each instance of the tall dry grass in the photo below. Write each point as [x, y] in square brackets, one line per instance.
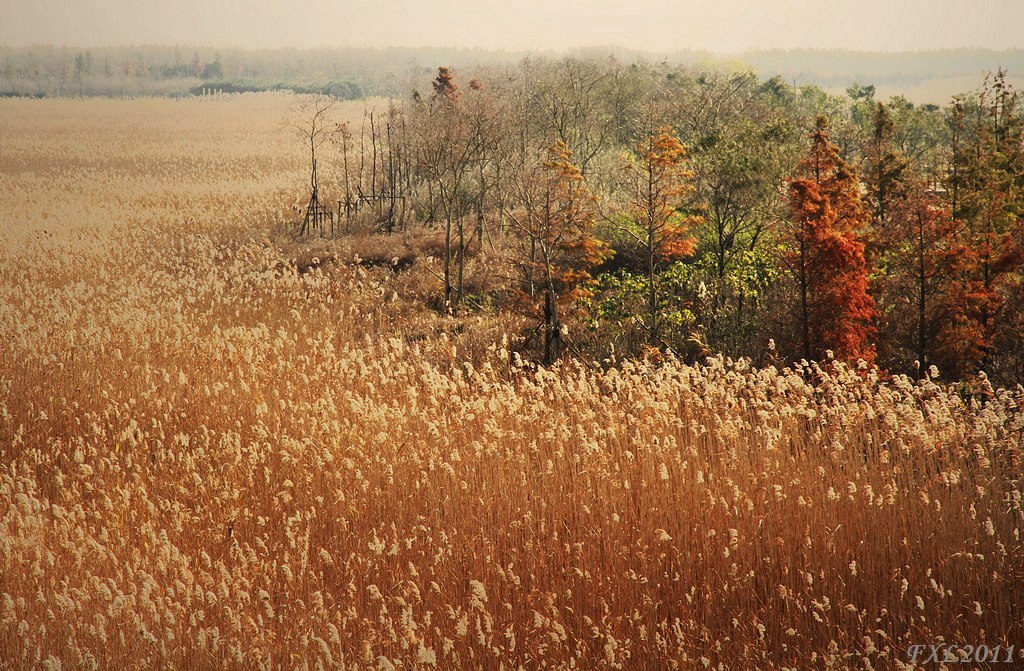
[212, 460]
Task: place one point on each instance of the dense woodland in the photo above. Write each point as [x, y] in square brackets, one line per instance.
[649, 210]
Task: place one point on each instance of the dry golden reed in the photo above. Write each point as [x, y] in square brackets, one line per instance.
[212, 460]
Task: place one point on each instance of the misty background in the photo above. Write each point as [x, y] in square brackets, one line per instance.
[717, 26]
[926, 50]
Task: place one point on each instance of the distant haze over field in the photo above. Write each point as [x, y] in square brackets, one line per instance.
[925, 50]
[717, 26]
[351, 72]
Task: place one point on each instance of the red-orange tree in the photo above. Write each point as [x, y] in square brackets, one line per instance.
[555, 219]
[826, 255]
[444, 85]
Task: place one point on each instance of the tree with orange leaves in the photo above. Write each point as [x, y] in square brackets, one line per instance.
[659, 183]
[827, 255]
[445, 88]
[555, 217]
[987, 188]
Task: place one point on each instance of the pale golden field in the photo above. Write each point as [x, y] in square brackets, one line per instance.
[211, 460]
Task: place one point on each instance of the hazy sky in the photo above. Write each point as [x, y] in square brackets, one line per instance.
[722, 26]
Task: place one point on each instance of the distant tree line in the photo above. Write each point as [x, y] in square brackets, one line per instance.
[175, 70]
[654, 208]
[837, 67]
[344, 90]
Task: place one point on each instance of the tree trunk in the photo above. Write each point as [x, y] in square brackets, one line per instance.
[462, 258]
[652, 294]
[480, 207]
[348, 189]
[805, 317]
[921, 281]
[373, 167]
[448, 259]
[552, 325]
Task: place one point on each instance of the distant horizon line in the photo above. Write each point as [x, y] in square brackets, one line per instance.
[522, 50]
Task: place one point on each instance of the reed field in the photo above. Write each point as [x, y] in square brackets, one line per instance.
[217, 451]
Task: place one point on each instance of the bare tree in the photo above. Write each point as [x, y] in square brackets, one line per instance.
[311, 121]
[343, 136]
[447, 148]
[571, 104]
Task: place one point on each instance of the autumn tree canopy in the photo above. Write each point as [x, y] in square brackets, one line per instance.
[826, 255]
[556, 223]
[987, 182]
[658, 182]
[892, 234]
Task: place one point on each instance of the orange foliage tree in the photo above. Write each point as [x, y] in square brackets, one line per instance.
[659, 182]
[445, 87]
[989, 258]
[827, 255]
[988, 201]
[555, 217]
